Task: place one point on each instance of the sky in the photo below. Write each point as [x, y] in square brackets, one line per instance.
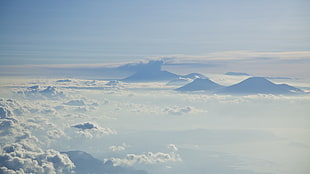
[70, 32]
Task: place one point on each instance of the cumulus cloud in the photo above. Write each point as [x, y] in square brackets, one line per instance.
[20, 151]
[89, 130]
[115, 84]
[178, 110]
[149, 158]
[9, 107]
[173, 147]
[118, 148]
[17, 158]
[38, 92]
[56, 133]
[79, 105]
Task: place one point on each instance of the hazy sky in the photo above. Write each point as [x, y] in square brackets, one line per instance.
[76, 31]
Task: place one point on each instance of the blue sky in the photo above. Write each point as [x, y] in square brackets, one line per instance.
[68, 32]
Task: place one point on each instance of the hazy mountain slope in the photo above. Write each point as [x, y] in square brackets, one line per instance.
[259, 85]
[199, 85]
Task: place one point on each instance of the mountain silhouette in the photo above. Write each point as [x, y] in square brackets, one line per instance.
[149, 72]
[200, 85]
[259, 85]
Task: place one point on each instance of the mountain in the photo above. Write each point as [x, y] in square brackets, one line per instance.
[195, 76]
[259, 85]
[149, 72]
[180, 81]
[85, 163]
[150, 76]
[183, 80]
[200, 85]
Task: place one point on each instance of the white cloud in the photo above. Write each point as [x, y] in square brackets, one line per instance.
[20, 151]
[90, 130]
[178, 110]
[19, 158]
[118, 148]
[56, 133]
[38, 92]
[237, 55]
[75, 103]
[173, 147]
[149, 158]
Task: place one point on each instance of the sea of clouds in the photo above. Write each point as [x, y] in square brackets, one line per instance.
[149, 127]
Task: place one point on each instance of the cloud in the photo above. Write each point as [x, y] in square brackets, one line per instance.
[114, 84]
[9, 107]
[269, 64]
[148, 158]
[18, 158]
[56, 133]
[75, 103]
[177, 110]
[79, 104]
[236, 55]
[173, 147]
[86, 163]
[20, 151]
[118, 148]
[89, 130]
[64, 81]
[5, 112]
[38, 92]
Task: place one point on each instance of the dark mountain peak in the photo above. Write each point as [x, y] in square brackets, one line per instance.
[200, 85]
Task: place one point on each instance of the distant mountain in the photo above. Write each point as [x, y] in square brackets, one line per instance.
[149, 72]
[259, 85]
[200, 85]
[85, 163]
[150, 76]
[195, 76]
[180, 81]
[183, 80]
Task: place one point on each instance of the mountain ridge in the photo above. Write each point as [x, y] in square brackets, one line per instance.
[252, 85]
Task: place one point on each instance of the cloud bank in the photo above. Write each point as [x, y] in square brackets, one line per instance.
[149, 158]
